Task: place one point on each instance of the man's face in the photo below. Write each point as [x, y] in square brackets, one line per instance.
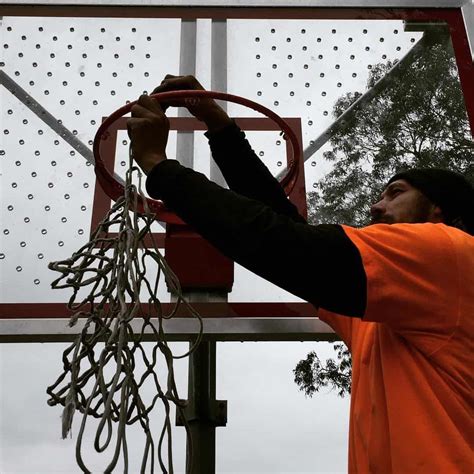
[402, 203]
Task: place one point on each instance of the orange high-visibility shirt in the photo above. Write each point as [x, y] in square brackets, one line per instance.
[412, 353]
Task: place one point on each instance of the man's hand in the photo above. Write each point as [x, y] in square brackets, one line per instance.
[206, 110]
[148, 130]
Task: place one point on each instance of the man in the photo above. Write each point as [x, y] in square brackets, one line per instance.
[400, 292]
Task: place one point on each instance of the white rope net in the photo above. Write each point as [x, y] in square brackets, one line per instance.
[114, 269]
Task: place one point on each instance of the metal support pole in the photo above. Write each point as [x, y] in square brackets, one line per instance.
[55, 124]
[187, 65]
[201, 384]
[203, 413]
[218, 78]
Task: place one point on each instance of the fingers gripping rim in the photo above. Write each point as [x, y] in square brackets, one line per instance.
[114, 189]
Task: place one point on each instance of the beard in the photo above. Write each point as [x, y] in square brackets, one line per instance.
[419, 212]
[382, 219]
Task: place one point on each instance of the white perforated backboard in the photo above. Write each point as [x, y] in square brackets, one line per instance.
[80, 69]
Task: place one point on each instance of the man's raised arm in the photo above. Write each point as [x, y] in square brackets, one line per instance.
[243, 171]
[317, 263]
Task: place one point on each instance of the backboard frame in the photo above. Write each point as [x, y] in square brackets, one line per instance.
[224, 320]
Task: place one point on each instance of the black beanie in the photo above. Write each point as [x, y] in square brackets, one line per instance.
[450, 191]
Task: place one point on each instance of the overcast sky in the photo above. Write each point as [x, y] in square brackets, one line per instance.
[272, 427]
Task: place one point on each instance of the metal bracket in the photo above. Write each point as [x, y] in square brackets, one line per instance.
[215, 415]
[55, 124]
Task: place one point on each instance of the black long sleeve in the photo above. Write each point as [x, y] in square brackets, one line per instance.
[245, 173]
[317, 263]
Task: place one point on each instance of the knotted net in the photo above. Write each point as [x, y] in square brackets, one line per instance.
[114, 270]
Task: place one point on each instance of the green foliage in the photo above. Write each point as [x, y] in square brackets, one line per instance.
[418, 121]
[311, 374]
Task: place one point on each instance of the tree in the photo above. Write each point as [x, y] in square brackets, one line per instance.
[311, 374]
[418, 121]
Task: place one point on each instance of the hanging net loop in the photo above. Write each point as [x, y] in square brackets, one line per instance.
[110, 277]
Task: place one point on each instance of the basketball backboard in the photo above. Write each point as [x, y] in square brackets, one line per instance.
[66, 68]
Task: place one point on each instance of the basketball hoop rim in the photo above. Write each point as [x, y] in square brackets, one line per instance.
[115, 190]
